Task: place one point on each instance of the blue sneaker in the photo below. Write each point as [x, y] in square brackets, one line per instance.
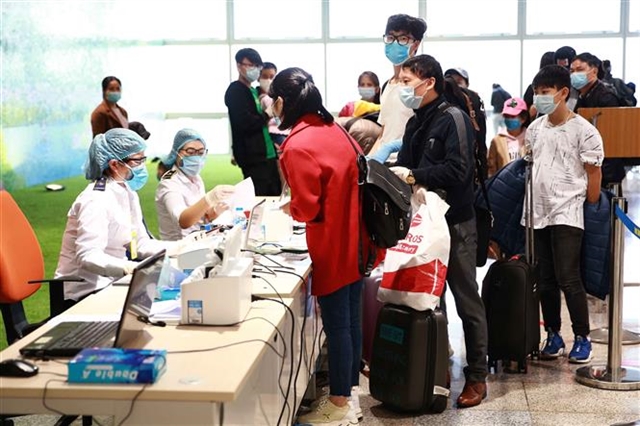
[553, 346]
[581, 352]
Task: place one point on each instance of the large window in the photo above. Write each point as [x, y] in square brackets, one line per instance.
[573, 17]
[633, 64]
[634, 17]
[277, 19]
[364, 18]
[472, 18]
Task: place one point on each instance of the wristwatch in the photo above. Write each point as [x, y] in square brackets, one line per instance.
[411, 180]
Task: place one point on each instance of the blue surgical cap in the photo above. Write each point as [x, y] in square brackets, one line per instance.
[115, 144]
[181, 139]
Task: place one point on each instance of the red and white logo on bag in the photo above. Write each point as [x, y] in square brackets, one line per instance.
[417, 220]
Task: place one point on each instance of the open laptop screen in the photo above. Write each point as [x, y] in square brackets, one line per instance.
[140, 297]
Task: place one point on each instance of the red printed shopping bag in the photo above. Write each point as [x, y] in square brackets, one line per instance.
[415, 270]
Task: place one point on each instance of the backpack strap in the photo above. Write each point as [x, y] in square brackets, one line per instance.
[361, 161]
[472, 112]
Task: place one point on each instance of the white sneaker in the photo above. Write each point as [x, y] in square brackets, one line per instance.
[355, 402]
[327, 414]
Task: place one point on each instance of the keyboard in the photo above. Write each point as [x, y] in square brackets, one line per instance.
[86, 335]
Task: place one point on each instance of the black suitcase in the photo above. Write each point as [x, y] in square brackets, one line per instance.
[410, 360]
[511, 301]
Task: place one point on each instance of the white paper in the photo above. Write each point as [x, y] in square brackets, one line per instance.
[244, 195]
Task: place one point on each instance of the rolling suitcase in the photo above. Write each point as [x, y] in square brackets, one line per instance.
[370, 309]
[410, 360]
[511, 300]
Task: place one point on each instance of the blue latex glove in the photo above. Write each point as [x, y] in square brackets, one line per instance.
[386, 150]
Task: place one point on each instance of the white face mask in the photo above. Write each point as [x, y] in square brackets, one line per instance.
[265, 84]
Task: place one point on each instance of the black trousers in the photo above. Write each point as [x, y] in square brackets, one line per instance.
[265, 176]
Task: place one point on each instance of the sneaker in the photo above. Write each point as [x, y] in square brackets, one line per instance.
[326, 414]
[553, 346]
[581, 351]
[355, 402]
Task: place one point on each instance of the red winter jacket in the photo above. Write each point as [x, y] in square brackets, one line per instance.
[319, 164]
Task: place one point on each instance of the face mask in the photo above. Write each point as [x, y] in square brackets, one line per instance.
[265, 84]
[113, 96]
[512, 123]
[396, 53]
[192, 165]
[408, 96]
[545, 103]
[579, 80]
[139, 177]
[252, 74]
[367, 92]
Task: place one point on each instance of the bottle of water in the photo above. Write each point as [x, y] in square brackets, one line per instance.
[239, 218]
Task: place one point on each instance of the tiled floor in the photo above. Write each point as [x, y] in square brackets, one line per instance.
[548, 394]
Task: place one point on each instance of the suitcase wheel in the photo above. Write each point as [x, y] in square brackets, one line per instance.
[523, 367]
[439, 404]
[535, 355]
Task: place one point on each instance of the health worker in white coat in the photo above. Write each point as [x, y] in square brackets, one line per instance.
[105, 237]
[181, 201]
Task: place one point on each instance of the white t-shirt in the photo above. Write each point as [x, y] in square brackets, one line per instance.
[559, 176]
[176, 191]
[393, 114]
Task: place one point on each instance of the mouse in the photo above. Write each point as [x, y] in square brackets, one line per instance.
[17, 368]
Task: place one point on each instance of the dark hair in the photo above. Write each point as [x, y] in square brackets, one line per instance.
[555, 76]
[139, 128]
[547, 59]
[269, 66]
[426, 66]
[524, 114]
[401, 22]
[592, 61]
[250, 54]
[372, 75]
[107, 80]
[300, 96]
[565, 52]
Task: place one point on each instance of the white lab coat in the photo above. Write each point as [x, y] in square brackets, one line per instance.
[100, 225]
[176, 191]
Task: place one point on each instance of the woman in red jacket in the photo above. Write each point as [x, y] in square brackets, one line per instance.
[319, 164]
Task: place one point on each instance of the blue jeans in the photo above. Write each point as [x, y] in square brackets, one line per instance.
[341, 320]
[558, 250]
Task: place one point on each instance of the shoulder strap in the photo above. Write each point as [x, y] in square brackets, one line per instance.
[472, 111]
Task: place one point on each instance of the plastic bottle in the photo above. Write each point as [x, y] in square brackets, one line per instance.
[239, 217]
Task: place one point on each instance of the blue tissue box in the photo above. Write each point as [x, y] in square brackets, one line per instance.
[115, 365]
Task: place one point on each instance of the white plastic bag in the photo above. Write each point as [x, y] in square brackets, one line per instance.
[415, 270]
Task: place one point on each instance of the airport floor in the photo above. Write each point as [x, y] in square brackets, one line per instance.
[548, 394]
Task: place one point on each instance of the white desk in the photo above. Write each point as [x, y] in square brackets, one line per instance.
[243, 377]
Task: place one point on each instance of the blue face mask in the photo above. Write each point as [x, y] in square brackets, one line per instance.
[579, 80]
[396, 53]
[252, 74]
[409, 98]
[545, 103]
[113, 96]
[192, 165]
[138, 178]
[367, 93]
[512, 123]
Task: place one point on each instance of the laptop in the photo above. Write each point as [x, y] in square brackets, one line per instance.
[66, 339]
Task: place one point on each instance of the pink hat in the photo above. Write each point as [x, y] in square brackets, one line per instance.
[514, 106]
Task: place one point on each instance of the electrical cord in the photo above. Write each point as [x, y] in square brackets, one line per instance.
[291, 365]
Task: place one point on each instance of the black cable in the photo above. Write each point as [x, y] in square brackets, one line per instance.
[215, 348]
[221, 417]
[303, 350]
[291, 366]
[273, 288]
[44, 397]
[133, 401]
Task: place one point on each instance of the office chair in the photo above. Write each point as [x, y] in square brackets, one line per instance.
[20, 262]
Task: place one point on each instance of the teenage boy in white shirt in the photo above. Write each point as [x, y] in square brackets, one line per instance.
[567, 154]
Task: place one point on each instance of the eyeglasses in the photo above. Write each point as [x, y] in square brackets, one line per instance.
[192, 151]
[402, 40]
[134, 161]
[244, 64]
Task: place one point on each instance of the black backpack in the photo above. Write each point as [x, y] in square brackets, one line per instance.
[386, 204]
[623, 92]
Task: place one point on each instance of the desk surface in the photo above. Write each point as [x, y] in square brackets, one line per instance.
[209, 375]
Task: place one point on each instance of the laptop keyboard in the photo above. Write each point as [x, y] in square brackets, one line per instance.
[87, 335]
